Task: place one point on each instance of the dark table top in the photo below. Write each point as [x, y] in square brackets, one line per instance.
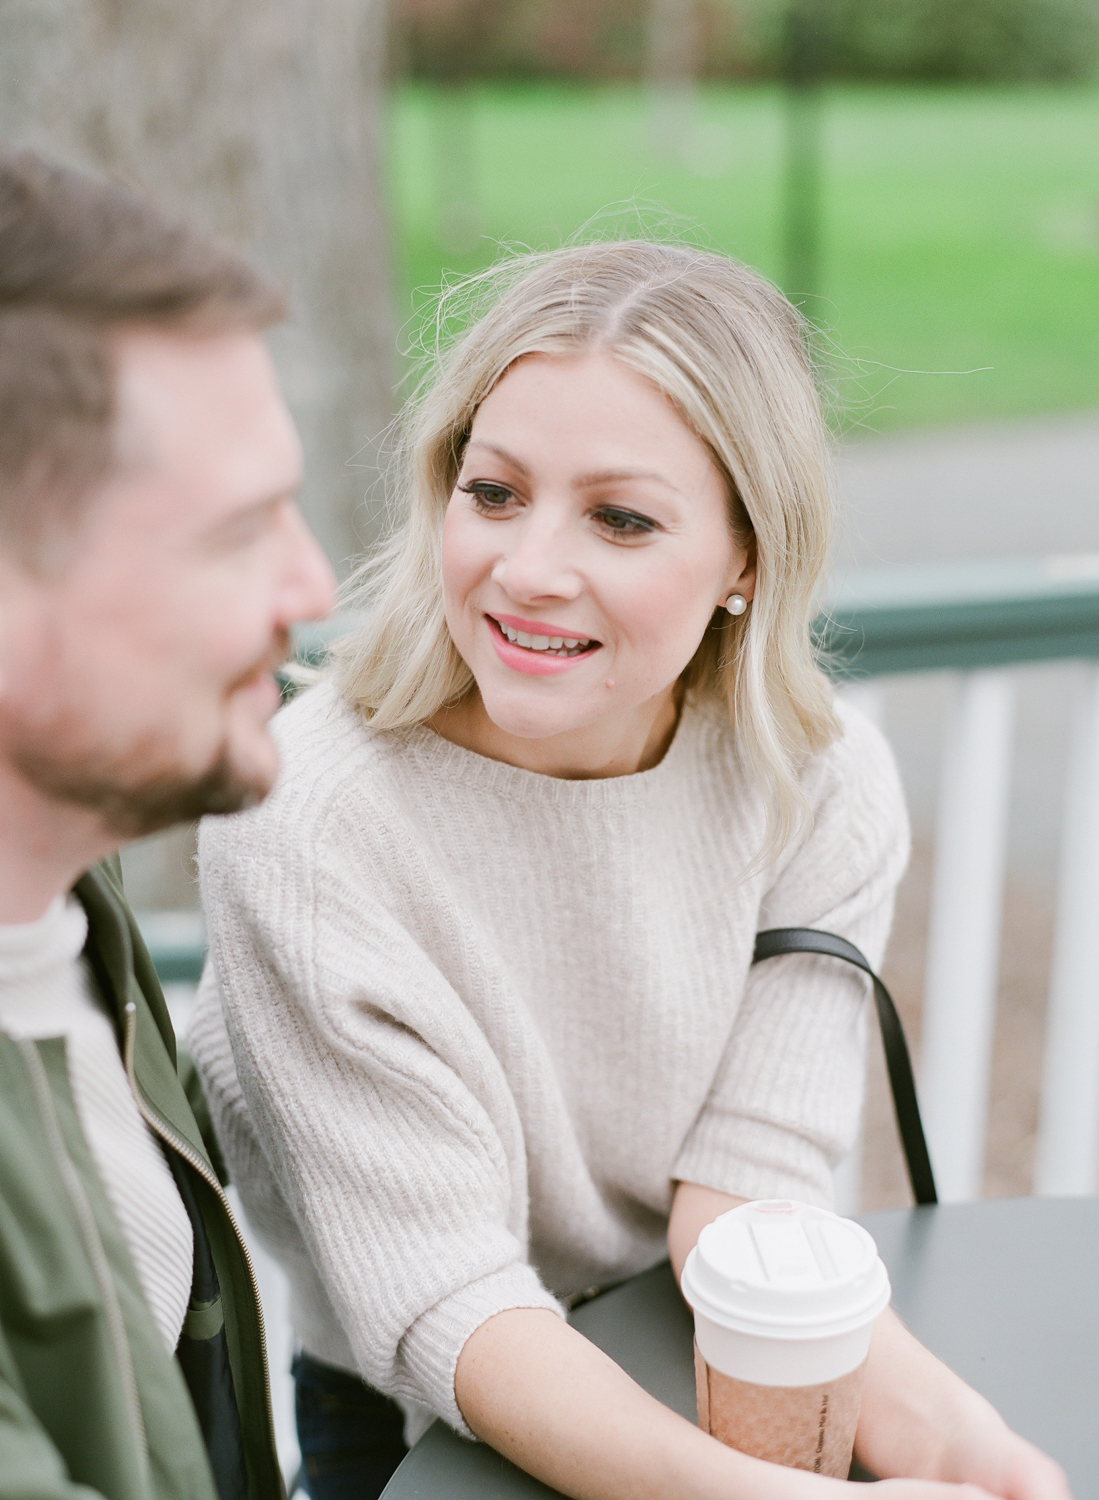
[1006, 1291]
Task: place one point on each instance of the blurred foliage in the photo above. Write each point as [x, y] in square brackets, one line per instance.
[454, 40]
[965, 39]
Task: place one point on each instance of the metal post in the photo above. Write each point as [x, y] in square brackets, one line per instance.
[963, 946]
[805, 47]
[1068, 1129]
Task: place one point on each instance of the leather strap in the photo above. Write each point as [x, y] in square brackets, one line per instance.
[780, 940]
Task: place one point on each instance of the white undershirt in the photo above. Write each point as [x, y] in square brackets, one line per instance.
[44, 992]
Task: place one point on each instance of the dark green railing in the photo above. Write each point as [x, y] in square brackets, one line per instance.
[962, 616]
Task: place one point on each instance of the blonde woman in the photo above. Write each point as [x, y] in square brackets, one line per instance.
[479, 1027]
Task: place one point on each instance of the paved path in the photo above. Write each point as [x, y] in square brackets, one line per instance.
[997, 490]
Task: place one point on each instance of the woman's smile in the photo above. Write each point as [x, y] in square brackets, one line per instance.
[536, 646]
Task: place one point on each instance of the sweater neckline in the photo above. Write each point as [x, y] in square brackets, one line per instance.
[32, 950]
[475, 771]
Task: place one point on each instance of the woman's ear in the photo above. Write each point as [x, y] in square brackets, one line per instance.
[744, 581]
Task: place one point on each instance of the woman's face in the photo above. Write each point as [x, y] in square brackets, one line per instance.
[585, 548]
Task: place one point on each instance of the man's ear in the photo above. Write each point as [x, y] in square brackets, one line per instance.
[15, 586]
[6, 588]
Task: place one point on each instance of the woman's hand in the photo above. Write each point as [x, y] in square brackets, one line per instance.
[927, 1489]
[1003, 1463]
[919, 1418]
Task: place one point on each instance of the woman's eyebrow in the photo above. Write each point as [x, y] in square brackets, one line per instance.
[609, 476]
[582, 481]
[516, 463]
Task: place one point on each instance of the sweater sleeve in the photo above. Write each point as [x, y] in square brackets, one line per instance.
[383, 1116]
[786, 1099]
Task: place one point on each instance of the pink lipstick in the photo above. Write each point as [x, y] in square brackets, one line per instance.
[542, 660]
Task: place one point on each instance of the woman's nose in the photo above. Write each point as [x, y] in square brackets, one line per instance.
[539, 561]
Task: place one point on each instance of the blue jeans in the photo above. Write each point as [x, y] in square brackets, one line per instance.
[351, 1437]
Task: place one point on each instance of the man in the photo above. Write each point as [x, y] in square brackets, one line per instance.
[152, 562]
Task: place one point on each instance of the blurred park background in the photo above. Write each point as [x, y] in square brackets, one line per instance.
[929, 184]
[921, 176]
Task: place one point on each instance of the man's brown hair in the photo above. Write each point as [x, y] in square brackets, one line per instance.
[81, 256]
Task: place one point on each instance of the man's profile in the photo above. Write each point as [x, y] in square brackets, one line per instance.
[152, 563]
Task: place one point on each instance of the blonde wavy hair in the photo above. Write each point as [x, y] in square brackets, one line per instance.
[729, 352]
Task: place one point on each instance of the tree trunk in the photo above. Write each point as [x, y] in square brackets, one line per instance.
[260, 119]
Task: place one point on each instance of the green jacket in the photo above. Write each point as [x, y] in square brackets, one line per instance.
[91, 1403]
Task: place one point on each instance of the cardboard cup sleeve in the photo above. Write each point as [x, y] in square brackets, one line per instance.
[802, 1426]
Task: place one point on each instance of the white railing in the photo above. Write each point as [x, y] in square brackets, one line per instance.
[1068, 1135]
[925, 619]
[963, 941]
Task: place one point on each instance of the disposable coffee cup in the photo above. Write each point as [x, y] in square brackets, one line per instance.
[784, 1298]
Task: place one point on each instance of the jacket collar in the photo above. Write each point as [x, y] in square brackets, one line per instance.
[125, 973]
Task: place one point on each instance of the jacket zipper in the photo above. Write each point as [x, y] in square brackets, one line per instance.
[155, 1121]
[93, 1246]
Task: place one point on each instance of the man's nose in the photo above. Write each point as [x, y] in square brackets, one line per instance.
[310, 588]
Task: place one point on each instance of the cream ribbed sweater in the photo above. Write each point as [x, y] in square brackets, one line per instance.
[474, 1021]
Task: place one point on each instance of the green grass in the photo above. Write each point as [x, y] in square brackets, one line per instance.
[961, 226]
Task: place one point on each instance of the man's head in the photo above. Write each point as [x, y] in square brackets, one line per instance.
[152, 558]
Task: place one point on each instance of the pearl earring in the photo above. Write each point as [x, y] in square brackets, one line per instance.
[736, 604]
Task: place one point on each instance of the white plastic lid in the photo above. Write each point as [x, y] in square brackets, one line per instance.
[780, 1269]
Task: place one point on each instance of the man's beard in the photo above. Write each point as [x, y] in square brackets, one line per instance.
[131, 808]
[131, 804]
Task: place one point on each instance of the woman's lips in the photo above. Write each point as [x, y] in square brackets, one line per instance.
[541, 627]
[536, 663]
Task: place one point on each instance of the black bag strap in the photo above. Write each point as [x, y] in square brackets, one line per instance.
[779, 940]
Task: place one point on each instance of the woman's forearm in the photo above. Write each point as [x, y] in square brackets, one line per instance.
[693, 1207]
[543, 1395]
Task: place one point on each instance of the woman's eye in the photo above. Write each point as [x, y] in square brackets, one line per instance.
[623, 522]
[487, 496]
